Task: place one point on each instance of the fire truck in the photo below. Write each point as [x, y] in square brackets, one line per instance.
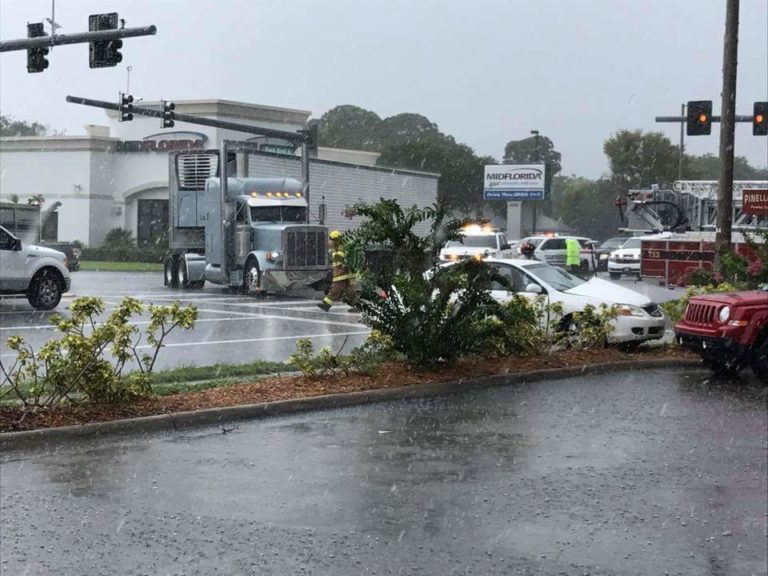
[679, 224]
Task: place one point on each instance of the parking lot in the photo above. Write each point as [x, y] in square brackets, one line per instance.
[231, 327]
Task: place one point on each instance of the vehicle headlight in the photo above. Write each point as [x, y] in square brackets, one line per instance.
[273, 256]
[725, 314]
[629, 310]
[603, 256]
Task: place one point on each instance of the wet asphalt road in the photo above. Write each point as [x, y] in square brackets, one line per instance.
[231, 327]
[652, 472]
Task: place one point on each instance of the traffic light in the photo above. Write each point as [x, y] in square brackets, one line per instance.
[169, 116]
[312, 136]
[126, 107]
[103, 53]
[699, 118]
[760, 119]
[36, 57]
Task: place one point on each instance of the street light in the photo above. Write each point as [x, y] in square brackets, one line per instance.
[538, 159]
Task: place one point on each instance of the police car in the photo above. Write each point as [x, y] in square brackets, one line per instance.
[551, 249]
[476, 242]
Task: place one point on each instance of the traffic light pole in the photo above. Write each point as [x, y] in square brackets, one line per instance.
[294, 137]
[724, 223]
[81, 38]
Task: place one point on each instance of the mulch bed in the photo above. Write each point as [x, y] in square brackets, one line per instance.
[390, 375]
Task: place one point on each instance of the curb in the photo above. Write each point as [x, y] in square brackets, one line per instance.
[213, 416]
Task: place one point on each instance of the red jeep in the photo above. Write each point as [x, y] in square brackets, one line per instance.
[729, 330]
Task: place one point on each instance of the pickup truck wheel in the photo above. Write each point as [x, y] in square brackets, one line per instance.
[45, 290]
[760, 358]
[252, 278]
[615, 275]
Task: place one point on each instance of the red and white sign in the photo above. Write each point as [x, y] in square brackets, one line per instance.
[755, 202]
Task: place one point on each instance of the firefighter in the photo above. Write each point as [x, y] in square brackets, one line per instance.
[342, 284]
[572, 255]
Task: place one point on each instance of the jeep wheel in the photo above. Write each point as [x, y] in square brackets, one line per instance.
[45, 290]
[760, 358]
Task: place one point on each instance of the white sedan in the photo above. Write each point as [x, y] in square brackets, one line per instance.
[639, 318]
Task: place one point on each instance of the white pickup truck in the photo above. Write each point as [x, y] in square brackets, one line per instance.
[38, 273]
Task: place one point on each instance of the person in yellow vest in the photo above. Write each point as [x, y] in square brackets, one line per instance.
[342, 284]
[572, 255]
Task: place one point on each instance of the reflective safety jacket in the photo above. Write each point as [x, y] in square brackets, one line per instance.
[572, 252]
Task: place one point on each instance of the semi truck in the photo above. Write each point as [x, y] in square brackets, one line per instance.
[235, 229]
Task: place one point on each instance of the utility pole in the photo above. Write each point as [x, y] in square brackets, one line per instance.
[682, 145]
[727, 131]
[538, 159]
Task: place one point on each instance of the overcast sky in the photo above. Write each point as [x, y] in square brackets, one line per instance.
[486, 71]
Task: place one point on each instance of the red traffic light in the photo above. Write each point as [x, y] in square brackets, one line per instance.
[760, 119]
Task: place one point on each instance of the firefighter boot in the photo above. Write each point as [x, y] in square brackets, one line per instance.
[326, 304]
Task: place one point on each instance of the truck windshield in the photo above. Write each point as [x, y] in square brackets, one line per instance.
[473, 242]
[278, 214]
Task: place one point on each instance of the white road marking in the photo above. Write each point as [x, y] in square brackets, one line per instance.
[136, 323]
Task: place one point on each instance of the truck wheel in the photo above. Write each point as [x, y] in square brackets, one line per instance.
[252, 278]
[170, 271]
[45, 290]
[181, 274]
[760, 358]
[615, 275]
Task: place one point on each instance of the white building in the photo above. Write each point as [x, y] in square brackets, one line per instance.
[117, 175]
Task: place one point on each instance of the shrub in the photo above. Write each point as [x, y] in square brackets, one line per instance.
[363, 359]
[91, 357]
[119, 238]
[134, 254]
[675, 309]
[589, 328]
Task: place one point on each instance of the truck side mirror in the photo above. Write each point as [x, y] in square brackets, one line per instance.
[16, 245]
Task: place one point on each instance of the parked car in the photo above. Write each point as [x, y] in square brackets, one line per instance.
[639, 320]
[39, 273]
[603, 251]
[476, 241]
[71, 251]
[729, 330]
[625, 260]
[552, 250]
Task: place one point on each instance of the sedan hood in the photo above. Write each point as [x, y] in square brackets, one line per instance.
[610, 293]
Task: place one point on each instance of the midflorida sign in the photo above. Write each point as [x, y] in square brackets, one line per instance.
[514, 182]
[164, 142]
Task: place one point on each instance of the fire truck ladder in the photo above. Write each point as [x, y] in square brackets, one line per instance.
[698, 199]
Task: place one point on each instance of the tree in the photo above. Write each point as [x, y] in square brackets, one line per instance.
[638, 160]
[350, 126]
[11, 127]
[588, 205]
[406, 128]
[707, 167]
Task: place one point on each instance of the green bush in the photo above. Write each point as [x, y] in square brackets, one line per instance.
[124, 254]
[91, 356]
[675, 309]
[589, 328]
[363, 359]
[119, 238]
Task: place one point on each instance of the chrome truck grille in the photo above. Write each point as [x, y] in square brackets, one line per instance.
[305, 247]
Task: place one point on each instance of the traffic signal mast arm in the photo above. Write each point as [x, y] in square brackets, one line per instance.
[61, 39]
[298, 137]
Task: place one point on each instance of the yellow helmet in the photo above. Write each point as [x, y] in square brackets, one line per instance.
[335, 235]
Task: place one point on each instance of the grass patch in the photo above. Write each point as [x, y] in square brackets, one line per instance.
[187, 374]
[93, 266]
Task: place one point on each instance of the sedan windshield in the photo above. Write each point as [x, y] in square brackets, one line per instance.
[473, 242]
[631, 243]
[278, 213]
[557, 278]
